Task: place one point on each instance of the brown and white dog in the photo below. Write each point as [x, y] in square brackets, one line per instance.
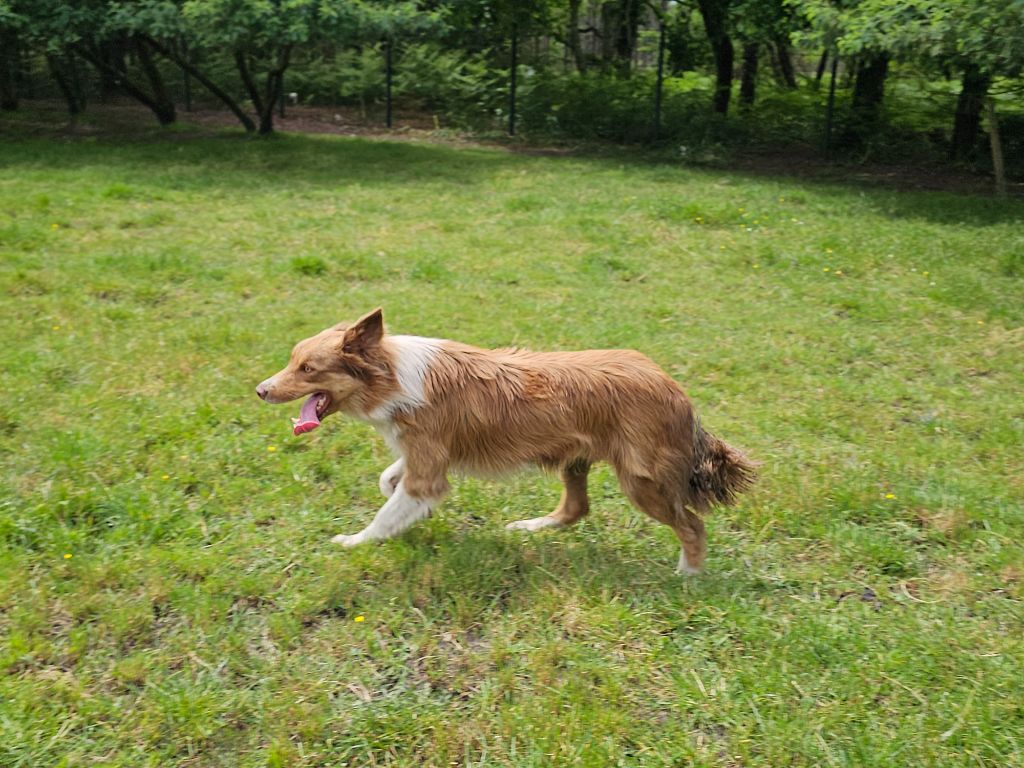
[442, 405]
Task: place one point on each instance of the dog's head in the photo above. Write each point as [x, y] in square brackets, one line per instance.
[336, 368]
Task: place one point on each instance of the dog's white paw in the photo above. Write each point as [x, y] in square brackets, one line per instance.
[534, 524]
[684, 568]
[348, 541]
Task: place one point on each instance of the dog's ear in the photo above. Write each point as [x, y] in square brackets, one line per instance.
[364, 334]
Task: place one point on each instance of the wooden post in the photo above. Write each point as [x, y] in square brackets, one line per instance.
[997, 147]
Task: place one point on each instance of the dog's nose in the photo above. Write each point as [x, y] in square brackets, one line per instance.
[262, 390]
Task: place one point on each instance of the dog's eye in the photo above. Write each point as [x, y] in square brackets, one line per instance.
[307, 368]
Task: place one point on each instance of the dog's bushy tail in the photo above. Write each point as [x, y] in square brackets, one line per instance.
[720, 472]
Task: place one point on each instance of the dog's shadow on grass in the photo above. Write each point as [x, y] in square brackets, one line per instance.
[494, 568]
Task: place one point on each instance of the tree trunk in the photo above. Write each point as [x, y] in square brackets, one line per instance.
[113, 53]
[714, 13]
[164, 107]
[58, 69]
[748, 77]
[573, 38]
[247, 81]
[785, 63]
[820, 73]
[267, 114]
[199, 75]
[275, 84]
[620, 21]
[869, 88]
[868, 92]
[629, 24]
[131, 88]
[997, 147]
[9, 65]
[967, 120]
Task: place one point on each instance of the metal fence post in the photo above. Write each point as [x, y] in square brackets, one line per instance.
[512, 82]
[660, 81]
[187, 78]
[388, 72]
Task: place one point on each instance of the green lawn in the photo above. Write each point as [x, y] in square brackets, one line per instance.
[168, 592]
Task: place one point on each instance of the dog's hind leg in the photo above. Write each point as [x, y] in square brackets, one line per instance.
[572, 507]
[390, 478]
[650, 497]
[689, 527]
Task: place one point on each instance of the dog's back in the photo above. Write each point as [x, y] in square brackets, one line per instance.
[500, 409]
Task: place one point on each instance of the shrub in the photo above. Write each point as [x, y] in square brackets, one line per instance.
[461, 85]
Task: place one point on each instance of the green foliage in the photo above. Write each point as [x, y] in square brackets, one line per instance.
[938, 33]
[593, 106]
[464, 85]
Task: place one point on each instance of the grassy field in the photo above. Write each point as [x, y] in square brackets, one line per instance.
[168, 593]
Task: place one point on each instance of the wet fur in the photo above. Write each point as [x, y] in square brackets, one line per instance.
[489, 411]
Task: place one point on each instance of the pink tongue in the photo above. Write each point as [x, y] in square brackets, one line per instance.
[308, 420]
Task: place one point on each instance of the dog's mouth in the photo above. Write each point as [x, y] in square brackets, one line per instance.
[312, 411]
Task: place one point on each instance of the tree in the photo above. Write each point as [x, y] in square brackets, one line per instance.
[979, 40]
[716, 21]
[260, 37]
[11, 24]
[762, 25]
[620, 22]
[87, 30]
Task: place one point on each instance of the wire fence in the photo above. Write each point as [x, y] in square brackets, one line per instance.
[376, 83]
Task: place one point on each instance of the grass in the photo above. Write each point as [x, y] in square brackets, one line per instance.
[168, 595]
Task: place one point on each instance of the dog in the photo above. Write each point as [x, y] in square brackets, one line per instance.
[441, 405]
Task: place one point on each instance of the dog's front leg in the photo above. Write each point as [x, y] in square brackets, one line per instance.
[399, 512]
[422, 486]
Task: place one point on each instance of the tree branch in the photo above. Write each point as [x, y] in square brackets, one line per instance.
[207, 83]
[250, 86]
[119, 77]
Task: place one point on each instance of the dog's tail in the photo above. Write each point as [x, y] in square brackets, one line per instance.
[720, 472]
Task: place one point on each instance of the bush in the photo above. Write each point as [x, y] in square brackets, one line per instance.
[601, 106]
[461, 85]
[352, 77]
